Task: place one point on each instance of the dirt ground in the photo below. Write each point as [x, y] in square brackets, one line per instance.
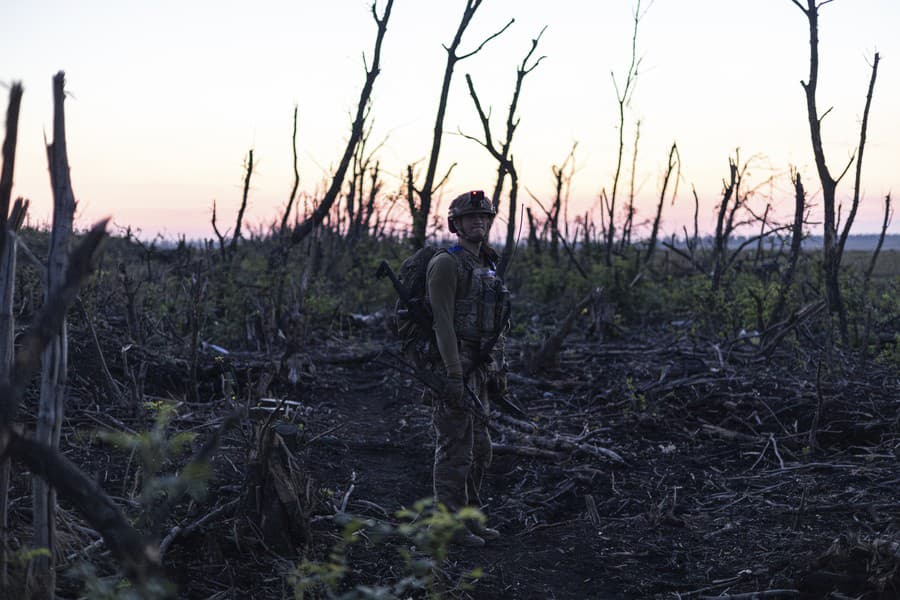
[720, 490]
[718, 493]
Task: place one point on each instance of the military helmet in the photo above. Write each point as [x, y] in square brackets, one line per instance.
[470, 203]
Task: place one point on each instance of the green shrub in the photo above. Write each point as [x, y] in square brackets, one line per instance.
[421, 536]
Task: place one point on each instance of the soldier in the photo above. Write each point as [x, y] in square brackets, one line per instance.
[470, 308]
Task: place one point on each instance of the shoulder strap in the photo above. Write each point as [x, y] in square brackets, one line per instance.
[491, 256]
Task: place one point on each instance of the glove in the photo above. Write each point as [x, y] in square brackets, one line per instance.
[454, 391]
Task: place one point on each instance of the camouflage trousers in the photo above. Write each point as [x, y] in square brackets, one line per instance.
[462, 450]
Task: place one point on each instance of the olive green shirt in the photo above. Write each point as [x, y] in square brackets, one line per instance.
[440, 280]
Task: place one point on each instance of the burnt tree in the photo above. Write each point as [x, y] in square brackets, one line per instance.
[506, 164]
[833, 246]
[421, 211]
[7, 293]
[302, 230]
[55, 357]
[623, 98]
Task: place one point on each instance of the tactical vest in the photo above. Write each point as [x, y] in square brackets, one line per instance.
[482, 301]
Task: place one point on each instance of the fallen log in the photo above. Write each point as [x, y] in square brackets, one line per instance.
[139, 559]
[559, 444]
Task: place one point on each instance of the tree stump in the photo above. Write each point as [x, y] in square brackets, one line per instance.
[548, 355]
[276, 494]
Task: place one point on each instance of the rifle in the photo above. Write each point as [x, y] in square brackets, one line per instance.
[503, 403]
[484, 357]
[414, 309]
[436, 383]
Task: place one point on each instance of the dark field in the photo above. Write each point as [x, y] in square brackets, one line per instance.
[663, 457]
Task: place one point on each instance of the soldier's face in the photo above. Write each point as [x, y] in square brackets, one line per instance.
[474, 227]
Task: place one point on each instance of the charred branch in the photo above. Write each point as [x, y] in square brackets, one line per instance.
[138, 558]
[623, 99]
[787, 279]
[302, 230]
[833, 246]
[9, 154]
[888, 216]
[674, 161]
[421, 213]
[248, 167]
[857, 183]
[292, 197]
[502, 155]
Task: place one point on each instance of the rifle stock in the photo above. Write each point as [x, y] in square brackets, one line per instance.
[414, 309]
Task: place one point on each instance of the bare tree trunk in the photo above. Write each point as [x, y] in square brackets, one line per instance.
[9, 153]
[42, 580]
[219, 235]
[533, 243]
[695, 237]
[355, 199]
[7, 293]
[888, 214]
[353, 191]
[293, 196]
[7, 332]
[506, 165]
[562, 179]
[623, 97]
[787, 280]
[359, 204]
[374, 189]
[832, 247]
[762, 231]
[629, 213]
[674, 160]
[553, 213]
[863, 128]
[7, 316]
[302, 230]
[278, 258]
[691, 240]
[720, 242]
[232, 247]
[421, 213]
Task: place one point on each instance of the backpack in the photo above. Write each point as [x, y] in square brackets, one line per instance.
[414, 321]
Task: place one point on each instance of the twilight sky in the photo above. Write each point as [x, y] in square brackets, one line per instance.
[167, 97]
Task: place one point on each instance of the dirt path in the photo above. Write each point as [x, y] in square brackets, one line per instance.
[383, 447]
